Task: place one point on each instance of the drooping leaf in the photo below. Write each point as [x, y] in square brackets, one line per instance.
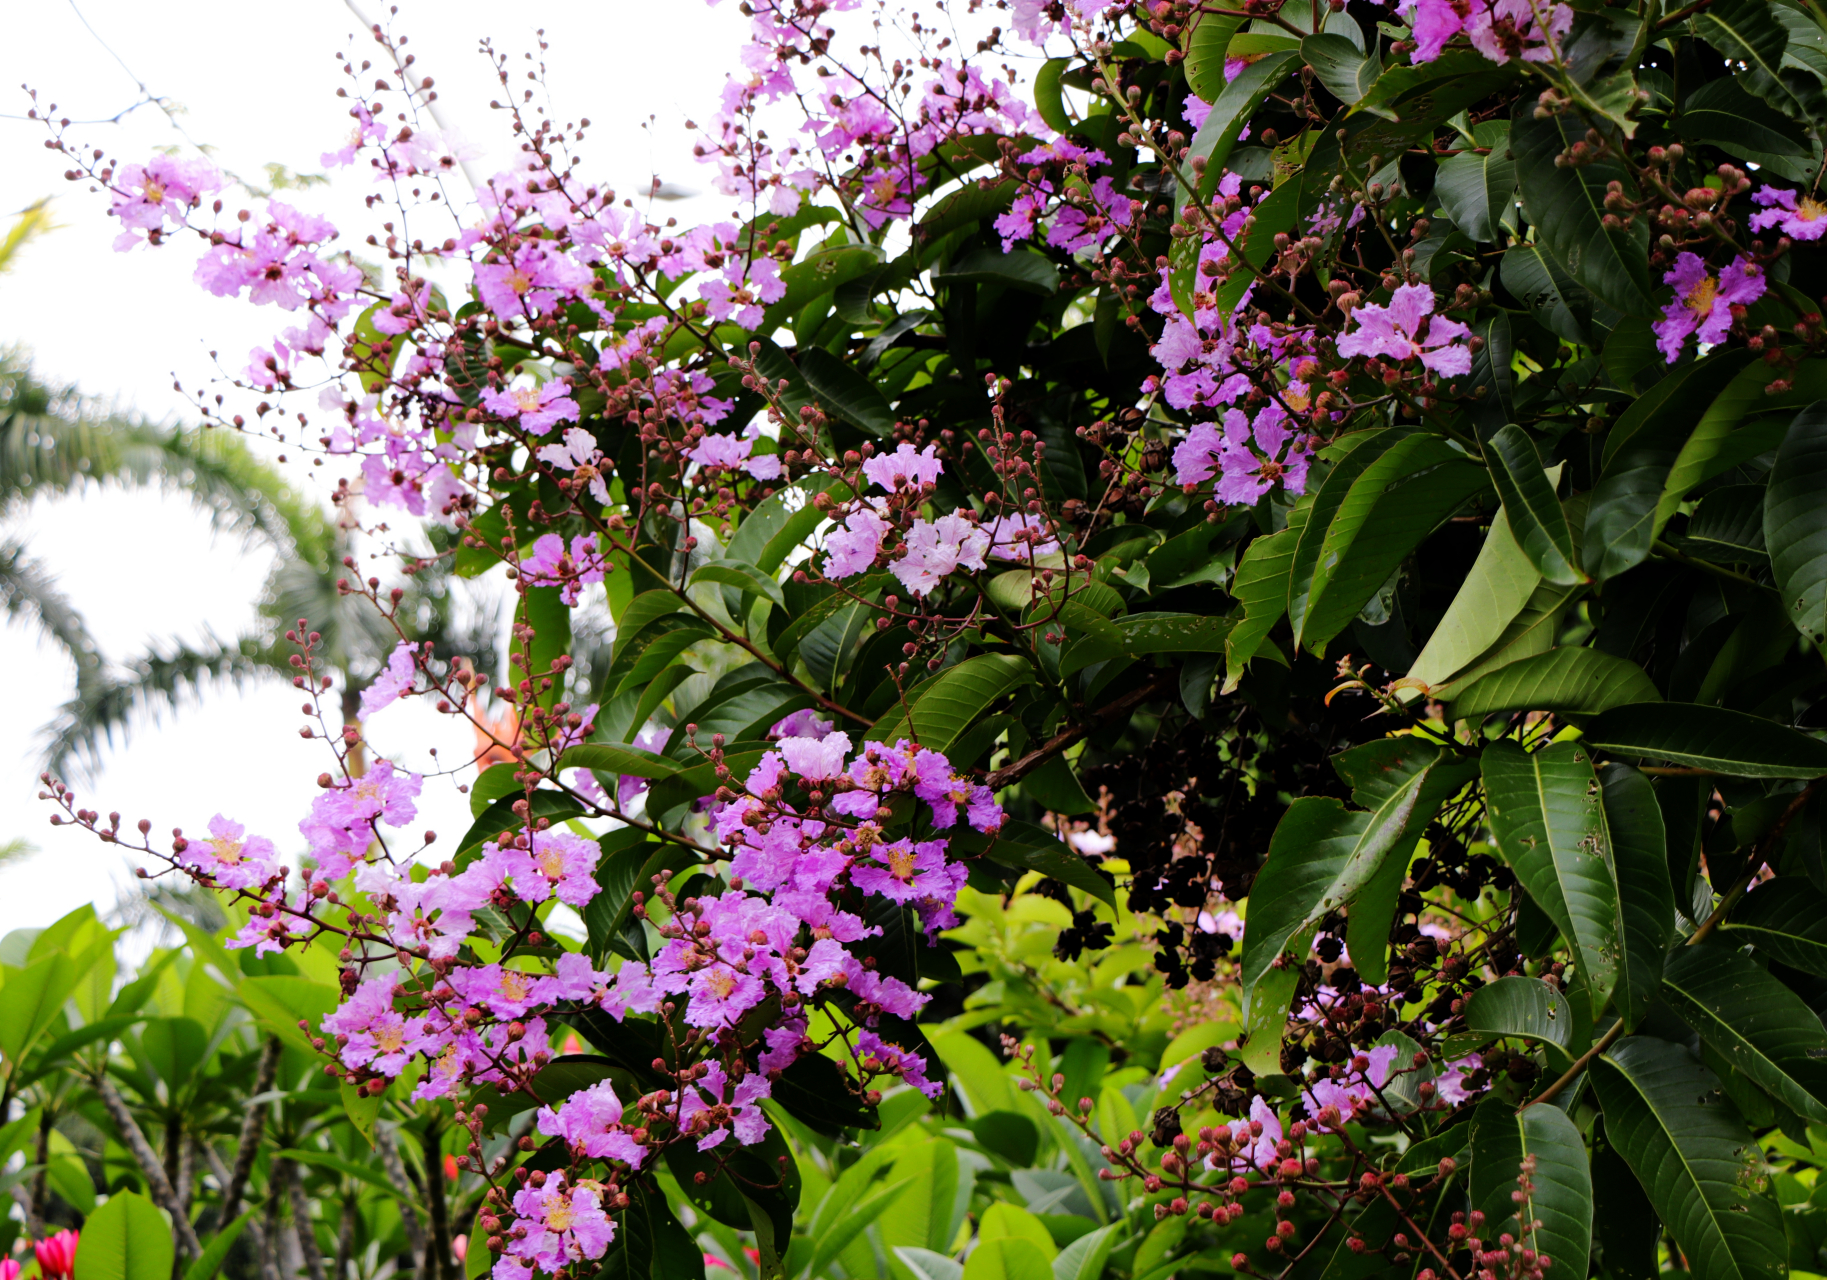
[1345, 69]
[1536, 519]
[279, 1001]
[1646, 902]
[745, 578]
[1753, 1021]
[1478, 191]
[1577, 681]
[1322, 855]
[1231, 110]
[1525, 1007]
[126, 1239]
[1747, 32]
[1549, 823]
[945, 708]
[1205, 52]
[1786, 918]
[1716, 738]
[611, 758]
[1667, 1116]
[843, 391]
[1261, 587]
[1567, 205]
[1560, 1177]
[1795, 522]
[206, 1264]
[1023, 269]
[1722, 113]
[1494, 593]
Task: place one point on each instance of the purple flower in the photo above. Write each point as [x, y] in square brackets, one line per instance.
[853, 549]
[1390, 331]
[342, 819]
[379, 1038]
[902, 871]
[1450, 1084]
[1021, 537]
[1800, 219]
[559, 864]
[391, 683]
[538, 409]
[804, 723]
[228, 859]
[165, 187]
[905, 466]
[591, 1118]
[1703, 303]
[732, 452]
[937, 548]
[550, 566]
[1195, 109]
[563, 1224]
[816, 759]
[1433, 23]
[1505, 29]
[726, 1111]
[877, 1056]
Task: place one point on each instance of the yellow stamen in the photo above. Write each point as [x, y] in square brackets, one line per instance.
[901, 864]
[1700, 301]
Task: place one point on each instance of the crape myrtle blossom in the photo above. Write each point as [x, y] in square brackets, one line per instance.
[563, 1224]
[1704, 303]
[1245, 474]
[536, 408]
[1798, 217]
[551, 565]
[393, 681]
[230, 857]
[156, 197]
[1393, 331]
[937, 548]
[1498, 29]
[733, 452]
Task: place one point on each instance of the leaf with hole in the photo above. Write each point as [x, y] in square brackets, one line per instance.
[1754, 1022]
[1566, 680]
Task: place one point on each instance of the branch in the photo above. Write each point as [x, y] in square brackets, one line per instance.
[301, 1220]
[409, 1217]
[150, 1167]
[254, 1234]
[248, 1145]
[1019, 769]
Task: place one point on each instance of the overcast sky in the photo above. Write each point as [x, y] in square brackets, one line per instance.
[256, 82]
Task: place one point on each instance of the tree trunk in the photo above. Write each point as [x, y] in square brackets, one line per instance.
[301, 1222]
[251, 1125]
[439, 1264]
[409, 1218]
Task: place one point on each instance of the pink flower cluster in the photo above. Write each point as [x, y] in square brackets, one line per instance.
[1705, 305]
[1499, 29]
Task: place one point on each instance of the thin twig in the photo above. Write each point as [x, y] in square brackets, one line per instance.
[248, 1145]
[150, 1167]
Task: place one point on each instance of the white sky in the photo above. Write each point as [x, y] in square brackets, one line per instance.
[257, 82]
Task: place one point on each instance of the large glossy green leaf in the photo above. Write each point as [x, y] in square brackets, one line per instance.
[126, 1239]
[1494, 593]
[1322, 855]
[1524, 1007]
[845, 392]
[1567, 206]
[1031, 848]
[1748, 33]
[1477, 191]
[1145, 633]
[31, 997]
[1361, 450]
[1667, 1116]
[745, 578]
[1756, 1023]
[1397, 500]
[950, 704]
[1023, 269]
[1576, 681]
[1261, 588]
[1347, 71]
[1205, 50]
[1531, 272]
[1787, 919]
[1560, 1199]
[1536, 519]
[607, 757]
[544, 611]
[1008, 1258]
[215, 1253]
[1549, 824]
[1646, 902]
[1795, 521]
[1231, 111]
[279, 1001]
[1716, 738]
[1641, 451]
[1721, 112]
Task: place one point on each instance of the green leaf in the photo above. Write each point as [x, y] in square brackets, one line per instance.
[1346, 70]
[1795, 521]
[1575, 681]
[1231, 110]
[1396, 502]
[1057, 789]
[1524, 1007]
[1493, 594]
[1024, 269]
[745, 578]
[605, 757]
[944, 708]
[1561, 1199]
[1722, 113]
[1205, 52]
[1716, 738]
[126, 1239]
[1322, 855]
[1747, 31]
[845, 392]
[1754, 1022]
[1536, 519]
[279, 1001]
[1261, 588]
[1567, 206]
[1050, 102]
[1549, 824]
[1030, 848]
[543, 610]
[849, 1224]
[1144, 633]
[1732, 519]
[1362, 449]
[1667, 1116]
[215, 1253]
[362, 1109]
[1646, 901]
[924, 1264]
[1541, 282]
[1265, 1019]
[1007, 1258]
[1478, 192]
[630, 862]
[370, 1174]
[1787, 919]
[32, 997]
